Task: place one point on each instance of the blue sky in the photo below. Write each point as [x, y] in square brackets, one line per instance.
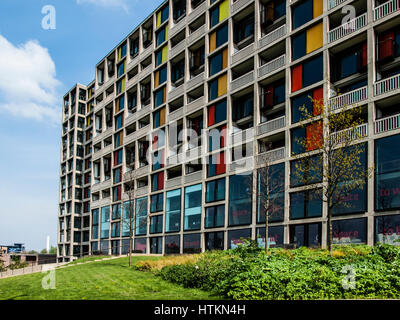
[37, 67]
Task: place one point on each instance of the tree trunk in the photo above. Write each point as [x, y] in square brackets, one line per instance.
[330, 229]
[266, 226]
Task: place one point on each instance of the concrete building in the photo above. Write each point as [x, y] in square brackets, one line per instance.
[241, 67]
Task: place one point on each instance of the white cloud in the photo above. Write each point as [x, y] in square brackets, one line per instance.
[27, 81]
[107, 3]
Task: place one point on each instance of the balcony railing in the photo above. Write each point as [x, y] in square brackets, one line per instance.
[351, 134]
[270, 156]
[272, 36]
[387, 85]
[243, 80]
[272, 66]
[272, 125]
[386, 8]
[348, 28]
[239, 4]
[334, 3]
[387, 124]
[348, 98]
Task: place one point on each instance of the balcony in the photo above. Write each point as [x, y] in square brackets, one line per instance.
[242, 136]
[242, 164]
[175, 182]
[243, 53]
[272, 66]
[193, 37]
[387, 124]
[194, 105]
[386, 8]
[334, 3]
[271, 156]
[387, 85]
[348, 28]
[271, 37]
[246, 79]
[271, 125]
[351, 134]
[349, 98]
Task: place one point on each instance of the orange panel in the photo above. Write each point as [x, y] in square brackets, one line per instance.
[297, 78]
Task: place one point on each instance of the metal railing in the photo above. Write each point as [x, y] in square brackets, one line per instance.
[351, 134]
[387, 85]
[334, 3]
[242, 80]
[272, 66]
[272, 36]
[348, 28]
[270, 156]
[272, 125]
[348, 98]
[386, 8]
[387, 124]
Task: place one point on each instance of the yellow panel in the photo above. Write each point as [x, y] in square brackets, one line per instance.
[224, 10]
[213, 38]
[317, 8]
[225, 58]
[162, 116]
[156, 79]
[164, 55]
[222, 85]
[166, 32]
[314, 38]
[158, 18]
[123, 85]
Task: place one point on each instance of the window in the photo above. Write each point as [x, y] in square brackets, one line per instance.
[117, 193]
[218, 37]
[158, 160]
[118, 139]
[116, 211]
[272, 11]
[179, 9]
[217, 113]
[157, 181]
[159, 97]
[307, 41]
[156, 245]
[217, 138]
[275, 177]
[159, 118]
[172, 245]
[214, 240]
[387, 229]
[308, 235]
[105, 222]
[219, 62]
[243, 107]
[308, 176]
[388, 45]
[215, 190]
[272, 95]
[193, 207]
[349, 231]
[191, 243]
[217, 87]
[216, 164]
[244, 29]
[95, 224]
[127, 219]
[305, 204]
[119, 122]
[387, 173]
[178, 71]
[306, 11]
[118, 157]
[162, 35]
[121, 69]
[162, 16]
[115, 230]
[305, 101]
[235, 237]
[162, 55]
[156, 224]
[134, 49]
[215, 216]
[307, 73]
[275, 236]
[121, 86]
[122, 51]
[349, 62]
[160, 76]
[240, 199]
[141, 216]
[140, 245]
[219, 13]
[307, 138]
[157, 202]
[173, 211]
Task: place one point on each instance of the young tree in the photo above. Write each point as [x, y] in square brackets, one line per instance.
[270, 182]
[335, 162]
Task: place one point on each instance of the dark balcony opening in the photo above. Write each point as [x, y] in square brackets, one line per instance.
[133, 72]
[196, 56]
[107, 168]
[359, 117]
[82, 94]
[132, 100]
[110, 67]
[109, 117]
[179, 10]
[196, 3]
[174, 172]
[243, 31]
[145, 121]
[147, 36]
[195, 123]
[130, 129]
[175, 137]
[134, 46]
[242, 111]
[176, 104]
[110, 90]
[143, 147]
[146, 62]
[272, 100]
[242, 151]
[145, 93]
[142, 182]
[387, 107]
[178, 38]
[242, 69]
[336, 19]
[197, 23]
[194, 166]
[388, 53]
[178, 71]
[130, 156]
[271, 143]
[195, 94]
[272, 15]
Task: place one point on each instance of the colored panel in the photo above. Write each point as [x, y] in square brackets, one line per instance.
[318, 97]
[314, 136]
[225, 58]
[164, 56]
[211, 115]
[299, 46]
[364, 55]
[160, 181]
[223, 10]
[213, 37]
[386, 45]
[317, 8]
[166, 32]
[314, 38]
[158, 18]
[222, 85]
[156, 79]
[162, 116]
[297, 78]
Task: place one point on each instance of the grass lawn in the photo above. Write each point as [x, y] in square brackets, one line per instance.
[104, 280]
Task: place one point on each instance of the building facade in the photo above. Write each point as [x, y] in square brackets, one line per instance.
[240, 70]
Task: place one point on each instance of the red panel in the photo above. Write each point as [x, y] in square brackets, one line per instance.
[318, 97]
[211, 115]
[221, 163]
[297, 78]
[269, 96]
[314, 136]
[364, 56]
[160, 181]
[386, 45]
[119, 192]
[115, 158]
[223, 136]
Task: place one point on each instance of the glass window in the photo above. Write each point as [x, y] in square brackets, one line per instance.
[156, 245]
[349, 231]
[105, 222]
[240, 199]
[308, 176]
[215, 190]
[191, 243]
[127, 219]
[244, 29]
[235, 237]
[157, 203]
[275, 236]
[304, 101]
[173, 211]
[387, 229]
[387, 173]
[306, 234]
[313, 71]
[140, 245]
[115, 230]
[215, 216]
[156, 224]
[159, 96]
[193, 207]
[222, 36]
[172, 245]
[141, 216]
[214, 16]
[95, 224]
[214, 240]
[116, 211]
[298, 45]
[218, 62]
[302, 13]
[305, 204]
[217, 113]
[125, 246]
